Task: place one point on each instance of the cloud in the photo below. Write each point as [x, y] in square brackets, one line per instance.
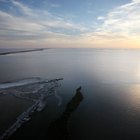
[119, 28]
[24, 9]
[34, 24]
[4, 1]
[100, 18]
[137, 1]
[121, 22]
[121, 25]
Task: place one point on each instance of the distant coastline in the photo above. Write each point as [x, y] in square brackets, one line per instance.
[21, 51]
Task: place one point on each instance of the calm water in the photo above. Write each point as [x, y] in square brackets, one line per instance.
[110, 80]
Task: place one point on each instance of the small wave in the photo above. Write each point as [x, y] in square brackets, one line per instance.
[22, 82]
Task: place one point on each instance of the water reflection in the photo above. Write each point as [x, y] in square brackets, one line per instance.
[58, 130]
[135, 96]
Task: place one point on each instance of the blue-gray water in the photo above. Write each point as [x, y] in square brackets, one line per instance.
[110, 81]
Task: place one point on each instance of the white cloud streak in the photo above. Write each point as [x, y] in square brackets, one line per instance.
[24, 9]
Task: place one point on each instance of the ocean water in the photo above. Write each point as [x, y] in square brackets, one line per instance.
[109, 107]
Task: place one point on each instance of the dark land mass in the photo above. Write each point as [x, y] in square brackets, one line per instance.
[58, 130]
[21, 51]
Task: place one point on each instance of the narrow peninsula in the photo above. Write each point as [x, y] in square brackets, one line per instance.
[21, 51]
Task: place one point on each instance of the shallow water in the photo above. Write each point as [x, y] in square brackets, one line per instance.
[110, 81]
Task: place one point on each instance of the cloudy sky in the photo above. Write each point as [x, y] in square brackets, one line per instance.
[70, 23]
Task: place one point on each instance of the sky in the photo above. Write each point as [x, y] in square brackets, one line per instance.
[70, 23]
